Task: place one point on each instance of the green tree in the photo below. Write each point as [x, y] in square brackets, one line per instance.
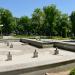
[24, 23]
[19, 29]
[50, 18]
[7, 21]
[65, 25]
[37, 21]
[58, 26]
[72, 18]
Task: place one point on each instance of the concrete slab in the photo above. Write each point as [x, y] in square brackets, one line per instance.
[25, 60]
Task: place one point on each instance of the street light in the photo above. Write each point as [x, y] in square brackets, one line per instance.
[1, 28]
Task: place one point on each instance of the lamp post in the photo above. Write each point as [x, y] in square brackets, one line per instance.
[1, 29]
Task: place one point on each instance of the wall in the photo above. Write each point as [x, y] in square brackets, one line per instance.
[66, 46]
[43, 69]
[36, 43]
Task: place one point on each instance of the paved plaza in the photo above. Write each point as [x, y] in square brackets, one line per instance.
[22, 56]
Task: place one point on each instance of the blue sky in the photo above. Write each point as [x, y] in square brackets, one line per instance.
[26, 7]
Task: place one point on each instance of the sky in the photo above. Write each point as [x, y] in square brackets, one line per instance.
[26, 7]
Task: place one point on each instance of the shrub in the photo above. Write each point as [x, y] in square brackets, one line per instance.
[72, 72]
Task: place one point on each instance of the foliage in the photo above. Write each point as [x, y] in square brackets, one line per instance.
[72, 18]
[48, 21]
[7, 21]
[23, 25]
[72, 72]
[65, 25]
[51, 14]
[37, 21]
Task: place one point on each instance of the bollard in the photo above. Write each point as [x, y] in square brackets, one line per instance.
[35, 54]
[9, 57]
[56, 51]
[11, 46]
[7, 43]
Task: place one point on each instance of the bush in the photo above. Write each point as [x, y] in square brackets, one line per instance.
[72, 72]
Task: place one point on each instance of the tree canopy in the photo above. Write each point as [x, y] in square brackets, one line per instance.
[7, 20]
[48, 21]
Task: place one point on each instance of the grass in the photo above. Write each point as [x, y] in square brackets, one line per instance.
[72, 72]
[60, 38]
[41, 37]
[23, 36]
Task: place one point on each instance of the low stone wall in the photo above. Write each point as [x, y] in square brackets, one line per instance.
[40, 44]
[36, 43]
[32, 42]
[41, 70]
[65, 45]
